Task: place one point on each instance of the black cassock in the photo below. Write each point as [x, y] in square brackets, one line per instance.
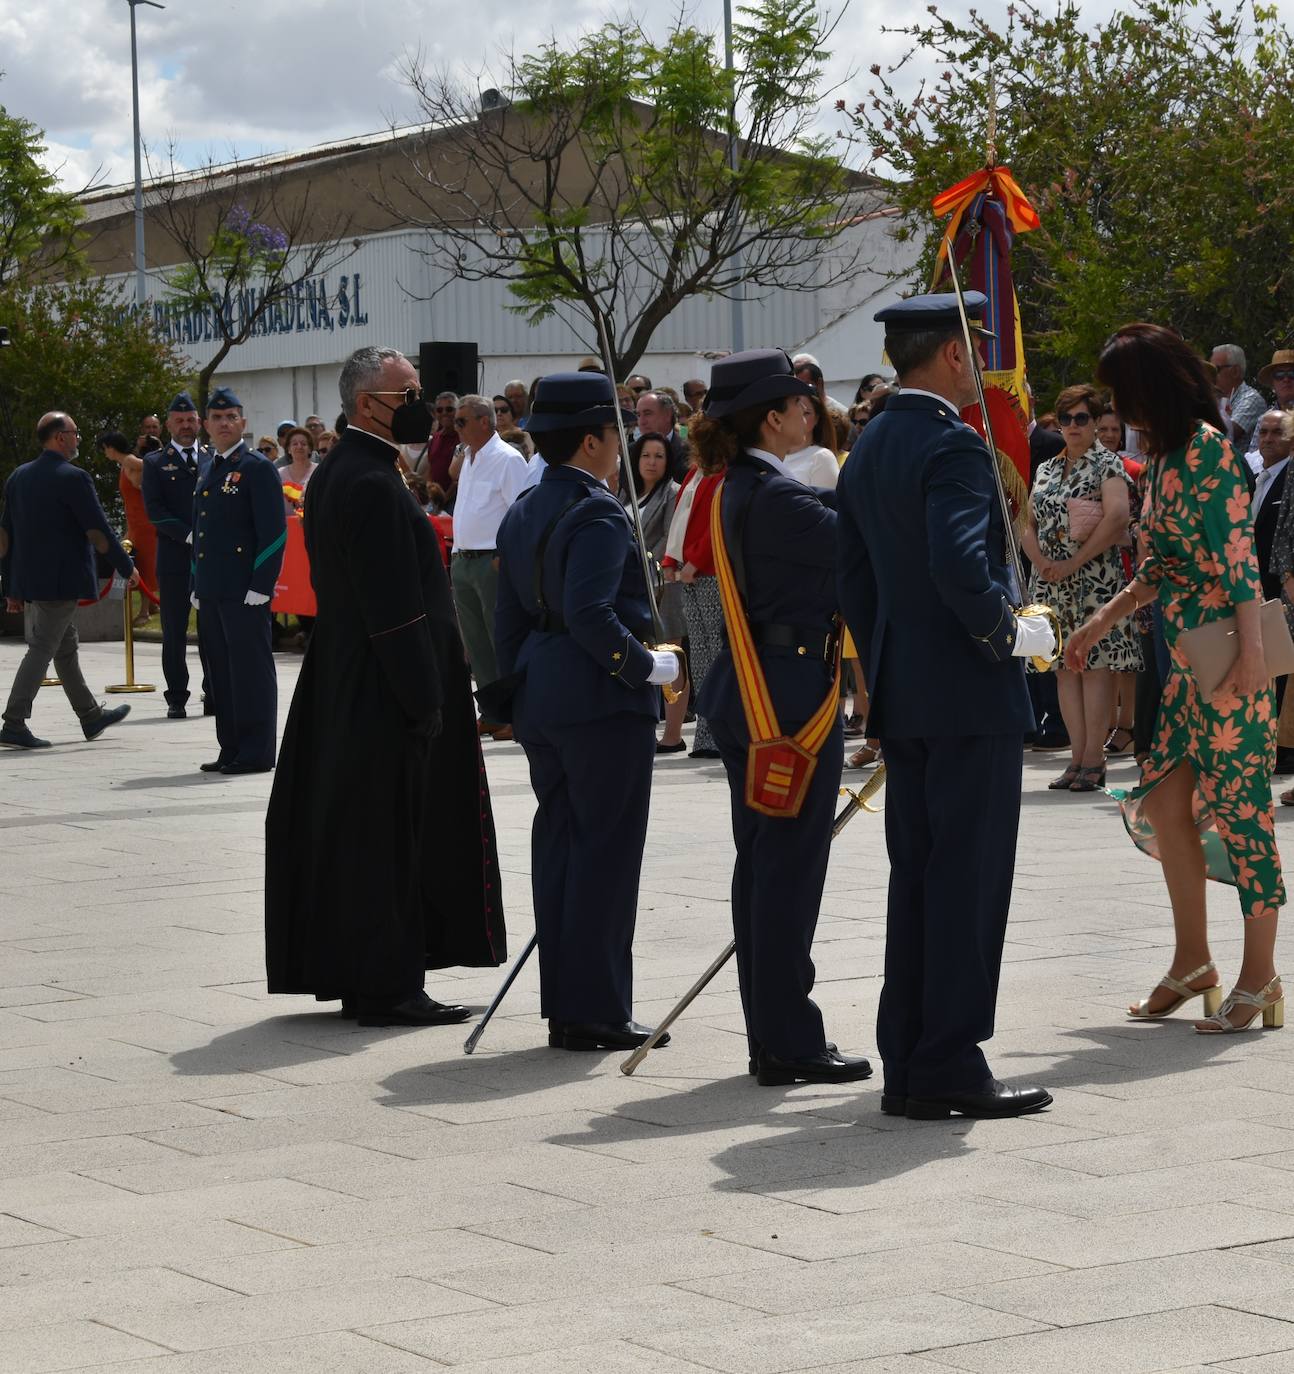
[380, 856]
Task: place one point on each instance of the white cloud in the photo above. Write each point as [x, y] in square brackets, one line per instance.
[252, 76]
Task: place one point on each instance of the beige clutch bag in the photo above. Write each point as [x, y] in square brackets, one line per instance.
[1213, 648]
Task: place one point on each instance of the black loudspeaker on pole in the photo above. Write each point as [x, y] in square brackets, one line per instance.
[447, 367]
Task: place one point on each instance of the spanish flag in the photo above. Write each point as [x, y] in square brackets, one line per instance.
[985, 212]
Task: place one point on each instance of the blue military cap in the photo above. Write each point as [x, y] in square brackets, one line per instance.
[573, 400]
[935, 311]
[747, 379]
[223, 398]
[182, 402]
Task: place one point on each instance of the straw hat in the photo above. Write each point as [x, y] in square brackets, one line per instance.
[1283, 357]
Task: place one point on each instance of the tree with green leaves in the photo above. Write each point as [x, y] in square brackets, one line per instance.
[80, 347]
[1155, 146]
[616, 176]
[38, 219]
[249, 241]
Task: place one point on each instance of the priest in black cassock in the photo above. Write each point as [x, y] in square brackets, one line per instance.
[380, 854]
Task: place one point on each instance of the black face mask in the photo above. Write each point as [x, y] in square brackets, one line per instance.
[410, 424]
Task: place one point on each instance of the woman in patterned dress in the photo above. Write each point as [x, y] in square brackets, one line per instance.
[1076, 574]
[1204, 807]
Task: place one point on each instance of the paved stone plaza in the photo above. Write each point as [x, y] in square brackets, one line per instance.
[197, 1177]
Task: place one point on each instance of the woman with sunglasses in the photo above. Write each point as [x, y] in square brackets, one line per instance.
[1078, 515]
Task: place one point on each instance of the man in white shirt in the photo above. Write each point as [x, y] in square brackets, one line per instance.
[491, 477]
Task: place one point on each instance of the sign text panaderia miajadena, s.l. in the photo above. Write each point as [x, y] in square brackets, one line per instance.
[308, 307]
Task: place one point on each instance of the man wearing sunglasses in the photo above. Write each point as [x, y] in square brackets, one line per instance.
[491, 476]
[435, 462]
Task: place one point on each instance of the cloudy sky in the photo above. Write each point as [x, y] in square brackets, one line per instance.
[265, 75]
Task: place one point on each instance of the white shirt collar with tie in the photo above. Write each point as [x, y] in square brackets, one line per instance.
[1265, 479]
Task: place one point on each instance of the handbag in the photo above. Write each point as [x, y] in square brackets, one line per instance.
[1084, 516]
[1210, 650]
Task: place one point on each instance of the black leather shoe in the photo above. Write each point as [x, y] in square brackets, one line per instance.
[994, 1099]
[597, 1035]
[176, 713]
[96, 725]
[20, 737]
[417, 1010]
[828, 1067]
[235, 768]
[894, 1104]
[215, 766]
[704, 754]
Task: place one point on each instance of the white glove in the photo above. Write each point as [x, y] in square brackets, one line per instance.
[188, 538]
[665, 667]
[193, 600]
[1034, 637]
[255, 599]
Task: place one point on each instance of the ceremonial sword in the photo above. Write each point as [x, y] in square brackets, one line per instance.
[858, 801]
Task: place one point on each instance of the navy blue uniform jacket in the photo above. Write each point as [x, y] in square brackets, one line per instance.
[787, 533]
[168, 499]
[592, 578]
[49, 508]
[240, 526]
[923, 577]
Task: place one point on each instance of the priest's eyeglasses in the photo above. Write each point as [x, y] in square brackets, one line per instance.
[411, 394]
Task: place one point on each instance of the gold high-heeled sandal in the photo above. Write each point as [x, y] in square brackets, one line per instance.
[1181, 986]
[1273, 1012]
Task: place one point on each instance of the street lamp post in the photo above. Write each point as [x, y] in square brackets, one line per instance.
[141, 282]
[738, 315]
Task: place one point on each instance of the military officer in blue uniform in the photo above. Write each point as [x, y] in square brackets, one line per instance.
[780, 538]
[239, 529]
[926, 592]
[170, 475]
[570, 620]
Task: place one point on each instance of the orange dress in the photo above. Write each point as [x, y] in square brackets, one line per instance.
[141, 533]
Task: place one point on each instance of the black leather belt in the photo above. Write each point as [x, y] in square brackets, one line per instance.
[474, 553]
[809, 641]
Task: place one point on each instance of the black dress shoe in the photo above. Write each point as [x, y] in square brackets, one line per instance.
[704, 754]
[830, 1066]
[235, 768]
[894, 1104]
[20, 737]
[216, 766]
[176, 713]
[599, 1035]
[662, 748]
[994, 1099]
[417, 1010]
[96, 725]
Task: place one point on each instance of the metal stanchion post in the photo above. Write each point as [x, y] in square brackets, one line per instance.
[130, 685]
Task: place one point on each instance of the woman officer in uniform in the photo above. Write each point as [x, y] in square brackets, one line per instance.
[570, 618]
[771, 698]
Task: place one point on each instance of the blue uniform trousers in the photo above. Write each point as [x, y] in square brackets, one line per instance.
[593, 785]
[240, 667]
[173, 593]
[952, 810]
[776, 891]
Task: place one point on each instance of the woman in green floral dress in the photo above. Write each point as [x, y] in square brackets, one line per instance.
[1204, 807]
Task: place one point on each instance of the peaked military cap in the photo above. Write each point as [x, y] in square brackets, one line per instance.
[935, 311]
[182, 402]
[223, 398]
[747, 379]
[574, 400]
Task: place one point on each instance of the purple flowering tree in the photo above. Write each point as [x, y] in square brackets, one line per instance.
[244, 240]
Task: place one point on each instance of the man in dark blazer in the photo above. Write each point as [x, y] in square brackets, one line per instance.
[925, 590]
[240, 528]
[170, 475]
[50, 530]
[1266, 504]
